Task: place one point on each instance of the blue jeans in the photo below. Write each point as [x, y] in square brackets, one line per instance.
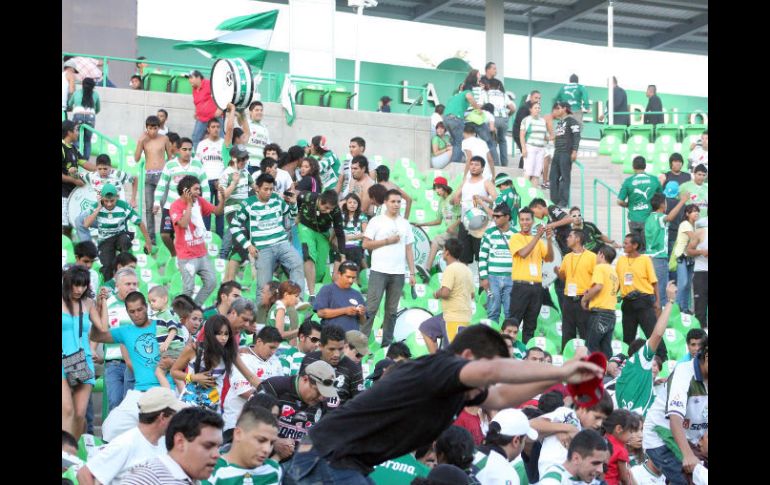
[486, 134]
[500, 287]
[115, 382]
[661, 271]
[454, 126]
[227, 239]
[84, 233]
[684, 273]
[219, 220]
[287, 256]
[501, 125]
[670, 465]
[295, 238]
[308, 468]
[88, 120]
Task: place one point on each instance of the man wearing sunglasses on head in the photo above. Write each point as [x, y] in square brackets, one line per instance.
[349, 380]
[301, 403]
[308, 340]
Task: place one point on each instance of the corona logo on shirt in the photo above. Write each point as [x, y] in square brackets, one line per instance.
[287, 411]
[260, 373]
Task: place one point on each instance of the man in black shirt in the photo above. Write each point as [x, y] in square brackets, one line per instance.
[300, 402]
[619, 103]
[415, 401]
[566, 143]
[594, 237]
[317, 213]
[671, 181]
[349, 379]
[654, 104]
[523, 112]
[70, 159]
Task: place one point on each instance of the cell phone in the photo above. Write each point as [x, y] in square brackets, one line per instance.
[288, 193]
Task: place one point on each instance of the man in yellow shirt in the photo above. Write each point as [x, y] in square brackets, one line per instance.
[576, 271]
[456, 290]
[601, 299]
[639, 289]
[528, 253]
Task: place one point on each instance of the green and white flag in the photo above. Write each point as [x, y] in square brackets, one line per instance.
[288, 92]
[247, 36]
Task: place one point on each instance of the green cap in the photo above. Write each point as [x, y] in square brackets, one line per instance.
[109, 190]
[503, 178]
[302, 143]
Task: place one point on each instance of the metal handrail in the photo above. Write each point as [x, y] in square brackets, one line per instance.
[582, 187]
[610, 191]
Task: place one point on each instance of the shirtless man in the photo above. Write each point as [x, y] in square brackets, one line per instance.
[383, 176]
[157, 149]
[357, 147]
[360, 183]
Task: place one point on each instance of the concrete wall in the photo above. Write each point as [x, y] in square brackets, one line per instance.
[102, 27]
[391, 136]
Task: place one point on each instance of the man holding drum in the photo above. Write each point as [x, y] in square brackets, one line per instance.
[475, 192]
[259, 137]
[205, 108]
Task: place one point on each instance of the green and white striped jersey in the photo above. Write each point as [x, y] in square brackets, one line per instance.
[118, 178]
[172, 173]
[330, 167]
[494, 256]
[352, 228]
[241, 191]
[291, 360]
[270, 473]
[263, 221]
[114, 222]
[558, 475]
[535, 131]
[259, 137]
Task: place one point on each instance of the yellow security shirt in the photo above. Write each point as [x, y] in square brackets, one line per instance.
[578, 271]
[636, 274]
[531, 267]
[459, 279]
[607, 298]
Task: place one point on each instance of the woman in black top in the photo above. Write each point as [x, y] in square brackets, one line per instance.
[311, 180]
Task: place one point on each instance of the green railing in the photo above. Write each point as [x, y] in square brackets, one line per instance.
[610, 203]
[273, 79]
[670, 113]
[582, 187]
[121, 165]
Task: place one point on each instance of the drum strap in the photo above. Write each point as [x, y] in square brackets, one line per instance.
[503, 235]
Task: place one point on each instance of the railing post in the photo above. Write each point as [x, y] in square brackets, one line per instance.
[105, 71]
[596, 205]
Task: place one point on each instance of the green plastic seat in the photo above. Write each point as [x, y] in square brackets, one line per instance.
[571, 346]
[665, 143]
[619, 154]
[158, 81]
[479, 310]
[548, 316]
[672, 130]
[693, 130]
[637, 143]
[683, 322]
[88, 444]
[675, 343]
[67, 251]
[617, 332]
[416, 343]
[619, 131]
[181, 85]
[619, 347]
[310, 95]
[71, 474]
[640, 130]
[608, 143]
[522, 183]
[434, 306]
[542, 342]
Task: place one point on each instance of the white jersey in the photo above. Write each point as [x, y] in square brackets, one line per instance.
[263, 369]
[210, 155]
[553, 453]
[644, 476]
[259, 137]
[469, 190]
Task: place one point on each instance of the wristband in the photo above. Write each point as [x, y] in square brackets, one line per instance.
[188, 378]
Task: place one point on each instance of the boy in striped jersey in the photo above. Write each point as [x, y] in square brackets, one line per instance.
[495, 263]
[111, 216]
[586, 457]
[172, 173]
[308, 340]
[248, 462]
[258, 228]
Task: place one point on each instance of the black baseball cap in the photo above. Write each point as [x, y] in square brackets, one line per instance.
[380, 367]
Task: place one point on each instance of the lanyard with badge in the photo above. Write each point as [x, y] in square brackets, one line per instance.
[572, 287]
[628, 277]
[532, 266]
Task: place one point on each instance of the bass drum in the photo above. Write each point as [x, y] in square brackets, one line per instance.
[440, 261]
[421, 247]
[408, 321]
[80, 200]
[549, 275]
[232, 82]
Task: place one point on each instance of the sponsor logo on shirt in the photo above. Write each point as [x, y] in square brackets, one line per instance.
[287, 411]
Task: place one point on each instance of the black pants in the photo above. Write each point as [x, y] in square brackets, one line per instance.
[700, 289]
[470, 244]
[573, 318]
[109, 248]
[526, 301]
[640, 312]
[601, 324]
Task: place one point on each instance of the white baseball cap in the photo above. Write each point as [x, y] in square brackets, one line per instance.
[513, 422]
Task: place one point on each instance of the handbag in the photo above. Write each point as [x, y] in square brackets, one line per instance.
[672, 262]
[75, 365]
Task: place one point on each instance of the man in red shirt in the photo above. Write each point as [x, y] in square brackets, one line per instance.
[205, 108]
[187, 215]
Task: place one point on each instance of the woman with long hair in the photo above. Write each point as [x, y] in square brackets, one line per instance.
[311, 177]
[85, 105]
[327, 161]
[354, 226]
[441, 147]
[78, 312]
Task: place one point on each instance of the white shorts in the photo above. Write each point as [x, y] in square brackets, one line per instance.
[65, 219]
[533, 164]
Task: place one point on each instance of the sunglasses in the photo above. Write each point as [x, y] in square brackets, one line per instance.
[349, 265]
[318, 380]
[315, 340]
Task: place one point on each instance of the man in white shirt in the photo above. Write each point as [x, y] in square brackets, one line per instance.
[260, 358]
[283, 181]
[390, 239]
[137, 445]
[505, 443]
[193, 439]
[587, 455]
[474, 146]
[259, 136]
[357, 148]
[209, 153]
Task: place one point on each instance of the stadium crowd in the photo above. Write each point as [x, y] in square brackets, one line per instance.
[296, 371]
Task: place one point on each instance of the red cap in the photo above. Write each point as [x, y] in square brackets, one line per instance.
[440, 181]
[588, 393]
